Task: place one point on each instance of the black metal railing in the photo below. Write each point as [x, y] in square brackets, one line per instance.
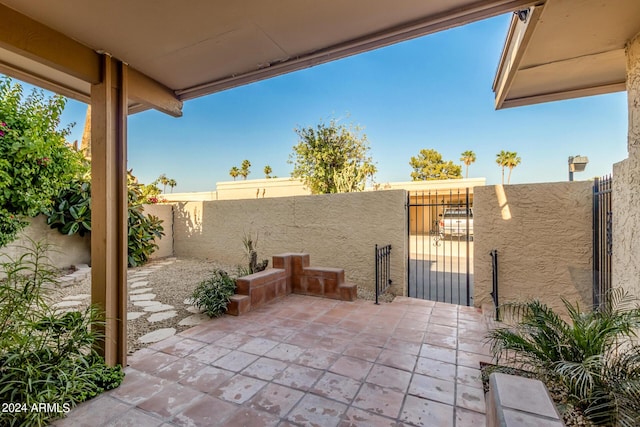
[494, 277]
[602, 239]
[383, 270]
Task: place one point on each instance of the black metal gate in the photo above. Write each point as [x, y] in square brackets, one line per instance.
[440, 260]
[602, 239]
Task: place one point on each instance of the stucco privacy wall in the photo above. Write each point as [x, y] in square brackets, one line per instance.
[337, 230]
[165, 244]
[543, 236]
[626, 187]
[64, 250]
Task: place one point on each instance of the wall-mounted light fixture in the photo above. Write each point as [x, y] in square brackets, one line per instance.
[522, 14]
[577, 164]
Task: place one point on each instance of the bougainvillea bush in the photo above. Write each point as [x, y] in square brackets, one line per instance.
[36, 163]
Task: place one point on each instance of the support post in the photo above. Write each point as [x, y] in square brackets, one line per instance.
[109, 206]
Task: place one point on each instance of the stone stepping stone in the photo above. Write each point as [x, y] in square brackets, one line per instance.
[193, 320]
[159, 307]
[140, 291]
[135, 314]
[63, 304]
[157, 335]
[76, 297]
[142, 297]
[163, 315]
[146, 303]
[194, 309]
[138, 284]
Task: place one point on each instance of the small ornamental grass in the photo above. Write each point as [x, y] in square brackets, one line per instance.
[213, 294]
[46, 358]
[594, 356]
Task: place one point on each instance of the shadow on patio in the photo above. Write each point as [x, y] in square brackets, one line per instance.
[308, 361]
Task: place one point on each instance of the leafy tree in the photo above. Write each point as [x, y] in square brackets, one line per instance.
[467, 158]
[507, 159]
[429, 166]
[267, 171]
[234, 172]
[172, 183]
[244, 169]
[331, 151]
[36, 163]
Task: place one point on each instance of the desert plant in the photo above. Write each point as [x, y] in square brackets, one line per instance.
[45, 357]
[213, 294]
[250, 248]
[592, 355]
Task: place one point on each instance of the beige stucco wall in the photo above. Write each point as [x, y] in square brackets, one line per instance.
[165, 244]
[337, 230]
[65, 250]
[543, 236]
[626, 187]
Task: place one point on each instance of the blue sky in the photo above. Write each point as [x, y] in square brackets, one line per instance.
[431, 92]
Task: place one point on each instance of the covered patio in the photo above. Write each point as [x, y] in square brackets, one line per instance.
[308, 361]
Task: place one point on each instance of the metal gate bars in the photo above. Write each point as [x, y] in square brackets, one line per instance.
[383, 269]
[602, 239]
[440, 237]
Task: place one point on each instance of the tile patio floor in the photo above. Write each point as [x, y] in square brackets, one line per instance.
[307, 361]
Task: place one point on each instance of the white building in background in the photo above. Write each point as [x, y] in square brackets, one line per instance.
[286, 187]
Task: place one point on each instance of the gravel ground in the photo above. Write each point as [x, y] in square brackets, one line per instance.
[172, 281]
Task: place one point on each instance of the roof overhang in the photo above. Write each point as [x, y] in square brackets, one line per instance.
[565, 49]
[178, 51]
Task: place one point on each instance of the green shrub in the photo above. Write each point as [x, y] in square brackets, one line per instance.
[45, 357]
[71, 214]
[143, 229]
[213, 294]
[36, 163]
[593, 356]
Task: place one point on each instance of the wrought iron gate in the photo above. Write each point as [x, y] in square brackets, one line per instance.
[602, 239]
[440, 236]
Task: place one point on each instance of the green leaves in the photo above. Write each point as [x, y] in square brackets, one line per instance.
[71, 214]
[428, 165]
[36, 163]
[593, 355]
[213, 294]
[45, 357]
[332, 158]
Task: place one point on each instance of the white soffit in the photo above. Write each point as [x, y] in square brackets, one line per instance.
[566, 49]
[198, 47]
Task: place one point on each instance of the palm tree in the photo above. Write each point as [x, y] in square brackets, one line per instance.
[267, 171]
[512, 161]
[501, 160]
[234, 172]
[244, 169]
[467, 158]
[162, 179]
[172, 183]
